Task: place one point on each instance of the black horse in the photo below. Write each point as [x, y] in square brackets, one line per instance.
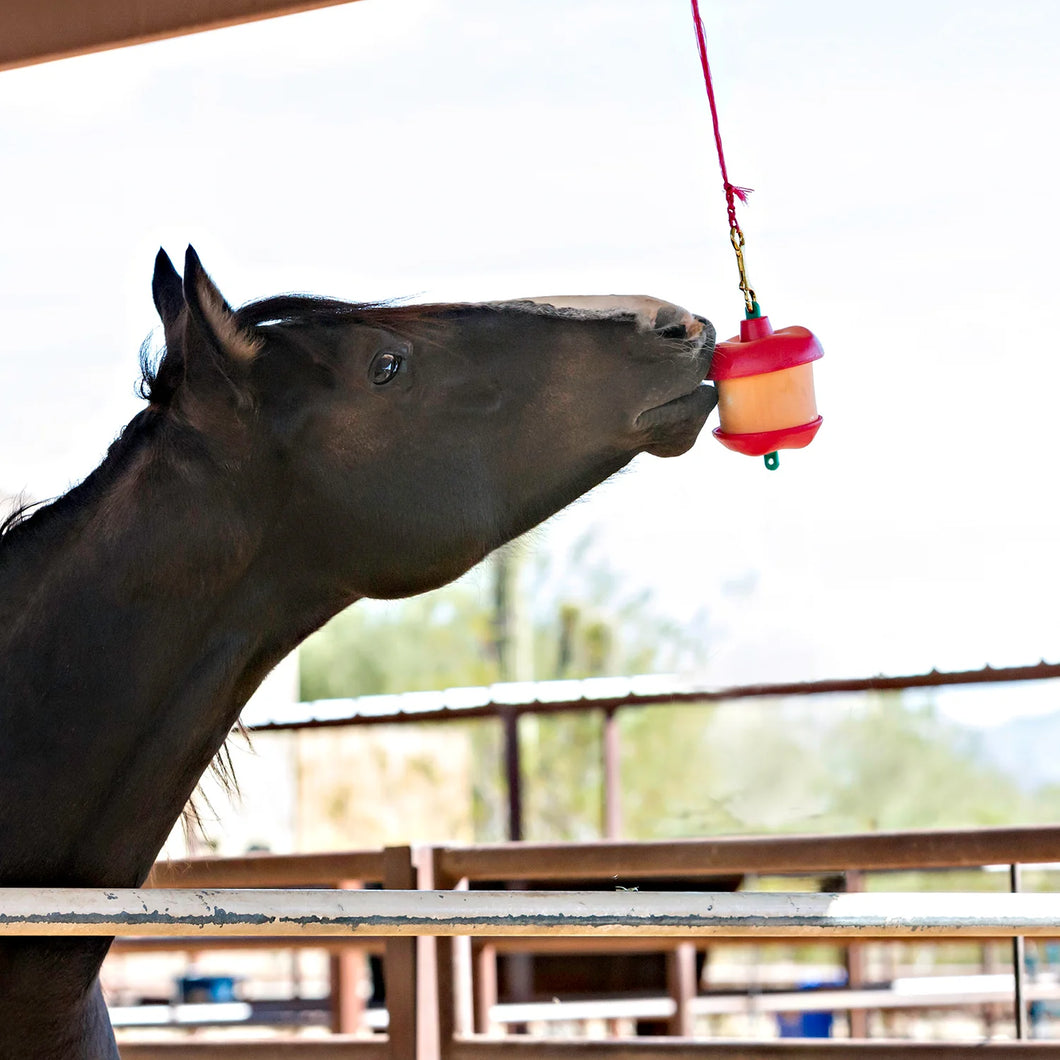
[294, 456]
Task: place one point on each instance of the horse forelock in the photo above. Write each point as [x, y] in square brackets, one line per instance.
[309, 309]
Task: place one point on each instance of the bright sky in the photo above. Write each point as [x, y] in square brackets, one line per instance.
[905, 162]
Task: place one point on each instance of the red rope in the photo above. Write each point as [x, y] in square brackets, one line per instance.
[732, 192]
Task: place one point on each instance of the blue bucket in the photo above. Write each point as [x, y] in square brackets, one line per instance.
[206, 989]
[804, 1024]
[808, 1024]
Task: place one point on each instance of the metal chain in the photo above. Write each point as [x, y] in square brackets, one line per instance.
[750, 301]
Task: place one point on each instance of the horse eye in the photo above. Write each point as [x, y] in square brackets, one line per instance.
[385, 366]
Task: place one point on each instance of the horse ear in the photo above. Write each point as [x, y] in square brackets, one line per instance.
[167, 288]
[214, 315]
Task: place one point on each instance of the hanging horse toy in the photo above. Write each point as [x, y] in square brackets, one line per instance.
[765, 378]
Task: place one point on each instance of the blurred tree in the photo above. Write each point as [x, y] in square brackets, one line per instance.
[896, 765]
[439, 640]
[789, 765]
[584, 622]
[816, 765]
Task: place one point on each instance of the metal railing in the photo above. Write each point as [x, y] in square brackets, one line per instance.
[430, 996]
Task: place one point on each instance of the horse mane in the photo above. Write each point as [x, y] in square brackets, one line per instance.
[20, 510]
[29, 520]
[312, 309]
[39, 514]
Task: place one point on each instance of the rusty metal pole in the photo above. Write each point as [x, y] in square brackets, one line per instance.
[1018, 963]
[612, 776]
[855, 961]
[428, 1046]
[511, 643]
[513, 769]
[519, 965]
[400, 966]
[681, 985]
[514, 663]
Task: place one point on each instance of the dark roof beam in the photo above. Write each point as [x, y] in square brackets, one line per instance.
[36, 31]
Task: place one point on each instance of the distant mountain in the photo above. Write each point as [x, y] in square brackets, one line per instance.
[1027, 749]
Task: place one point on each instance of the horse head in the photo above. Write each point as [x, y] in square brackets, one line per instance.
[392, 447]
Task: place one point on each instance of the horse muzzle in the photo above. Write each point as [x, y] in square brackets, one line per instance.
[651, 314]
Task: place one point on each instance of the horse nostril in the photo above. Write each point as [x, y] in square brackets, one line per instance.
[673, 322]
[672, 331]
[670, 322]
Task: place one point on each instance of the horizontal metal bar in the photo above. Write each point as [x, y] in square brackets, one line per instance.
[348, 1048]
[73, 911]
[610, 860]
[333, 1047]
[178, 943]
[999, 989]
[736, 855]
[228, 1014]
[525, 1048]
[200, 1014]
[271, 870]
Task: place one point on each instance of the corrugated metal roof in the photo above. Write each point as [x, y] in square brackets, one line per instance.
[542, 697]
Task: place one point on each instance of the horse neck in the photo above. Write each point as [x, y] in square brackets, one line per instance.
[135, 620]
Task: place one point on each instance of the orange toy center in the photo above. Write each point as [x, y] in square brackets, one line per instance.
[769, 402]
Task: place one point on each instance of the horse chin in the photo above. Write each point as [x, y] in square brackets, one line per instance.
[676, 446]
[672, 428]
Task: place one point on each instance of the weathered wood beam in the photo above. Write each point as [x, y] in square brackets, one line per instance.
[36, 31]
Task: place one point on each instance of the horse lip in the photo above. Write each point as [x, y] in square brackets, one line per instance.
[672, 428]
[671, 411]
[702, 348]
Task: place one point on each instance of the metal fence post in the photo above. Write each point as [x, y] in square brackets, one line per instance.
[1018, 962]
[400, 965]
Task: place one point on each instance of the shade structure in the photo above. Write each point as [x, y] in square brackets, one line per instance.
[33, 31]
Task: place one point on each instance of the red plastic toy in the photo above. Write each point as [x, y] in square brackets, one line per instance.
[766, 397]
